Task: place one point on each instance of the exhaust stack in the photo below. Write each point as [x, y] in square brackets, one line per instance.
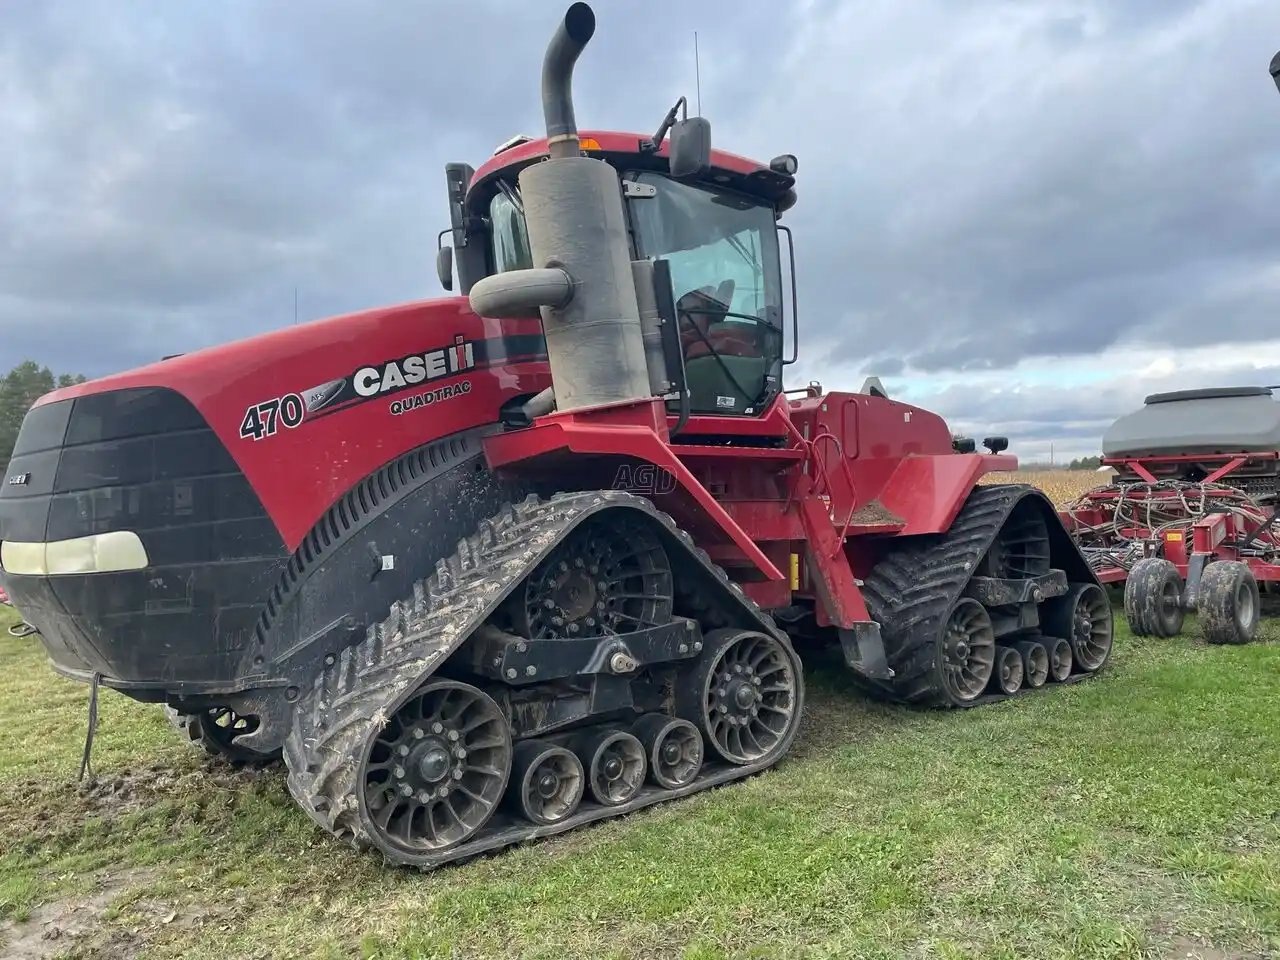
[571, 37]
[582, 282]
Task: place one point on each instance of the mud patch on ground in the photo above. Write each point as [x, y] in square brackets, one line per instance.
[45, 811]
[63, 925]
[1185, 948]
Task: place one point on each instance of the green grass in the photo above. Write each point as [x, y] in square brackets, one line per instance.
[1135, 815]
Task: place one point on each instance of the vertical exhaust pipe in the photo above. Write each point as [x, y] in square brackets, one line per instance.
[571, 37]
[582, 284]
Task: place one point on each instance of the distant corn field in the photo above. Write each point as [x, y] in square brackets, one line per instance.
[1062, 486]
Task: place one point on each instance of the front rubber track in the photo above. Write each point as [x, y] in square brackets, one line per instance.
[368, 682]
[913, 588]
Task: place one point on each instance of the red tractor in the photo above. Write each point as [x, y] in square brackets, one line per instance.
[1190, 521]
[496, 566]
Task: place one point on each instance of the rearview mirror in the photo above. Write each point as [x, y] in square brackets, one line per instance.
[689, 152]
[1275, 70]
[444, 267]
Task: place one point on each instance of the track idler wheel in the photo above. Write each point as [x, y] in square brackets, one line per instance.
[968, 651]
[1229, 603]
[615, 764]
[1035, 663]
[546, 782]
[1083, 616]
[674, 749]
[435, 773]
[1060, 661]
[744, 693]
[1007, 676]
[1153, 598]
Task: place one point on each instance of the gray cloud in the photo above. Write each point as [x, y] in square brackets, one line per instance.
[979, 182]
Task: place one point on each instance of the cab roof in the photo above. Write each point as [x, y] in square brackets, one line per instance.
[623, 150]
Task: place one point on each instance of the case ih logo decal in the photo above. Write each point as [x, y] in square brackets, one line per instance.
[414, 369]
[265, 419]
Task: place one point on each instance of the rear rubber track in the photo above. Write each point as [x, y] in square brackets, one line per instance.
[364, 684]
[912, 590]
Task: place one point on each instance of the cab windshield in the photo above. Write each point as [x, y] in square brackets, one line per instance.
[723, 253]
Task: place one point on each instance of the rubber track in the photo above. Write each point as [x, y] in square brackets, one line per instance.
[911, 591]
[366, 683]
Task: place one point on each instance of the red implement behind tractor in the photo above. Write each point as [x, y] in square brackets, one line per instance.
[494, 566]
[1190, 521]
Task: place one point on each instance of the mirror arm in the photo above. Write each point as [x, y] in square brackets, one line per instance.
[654, 143]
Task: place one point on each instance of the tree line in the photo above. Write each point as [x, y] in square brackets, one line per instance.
[21, 387]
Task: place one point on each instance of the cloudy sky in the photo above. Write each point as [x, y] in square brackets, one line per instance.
[1025, 215]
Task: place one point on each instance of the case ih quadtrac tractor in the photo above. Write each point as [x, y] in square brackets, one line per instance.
[492, 567]
[1191, 520]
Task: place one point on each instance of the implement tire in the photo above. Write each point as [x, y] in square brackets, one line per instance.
[1153, 598]
[1229, 604]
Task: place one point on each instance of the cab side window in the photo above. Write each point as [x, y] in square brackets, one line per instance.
[510, 237]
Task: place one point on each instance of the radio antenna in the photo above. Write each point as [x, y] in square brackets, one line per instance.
[697, 71]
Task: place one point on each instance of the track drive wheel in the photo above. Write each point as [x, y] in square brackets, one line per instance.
[1229, 604]
[609, 576]
[1020, 551]
[216, 730]
[745, 694]
[1083, 616]
[1153, 598]
[434, 774]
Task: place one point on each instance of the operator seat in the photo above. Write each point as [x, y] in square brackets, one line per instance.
[725, 366]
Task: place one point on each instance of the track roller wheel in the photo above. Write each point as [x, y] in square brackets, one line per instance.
[968, 650]
[1153, 598]
[615, 765]
[673, 746]
[215, 731]
[1035, 663]
[1083, 616]
[546, 782]
[744, 694]
[1007, 676]
[435, 773]
[1060, 661]
[1229, 602]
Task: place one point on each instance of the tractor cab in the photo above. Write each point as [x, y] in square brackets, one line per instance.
[715, 228]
